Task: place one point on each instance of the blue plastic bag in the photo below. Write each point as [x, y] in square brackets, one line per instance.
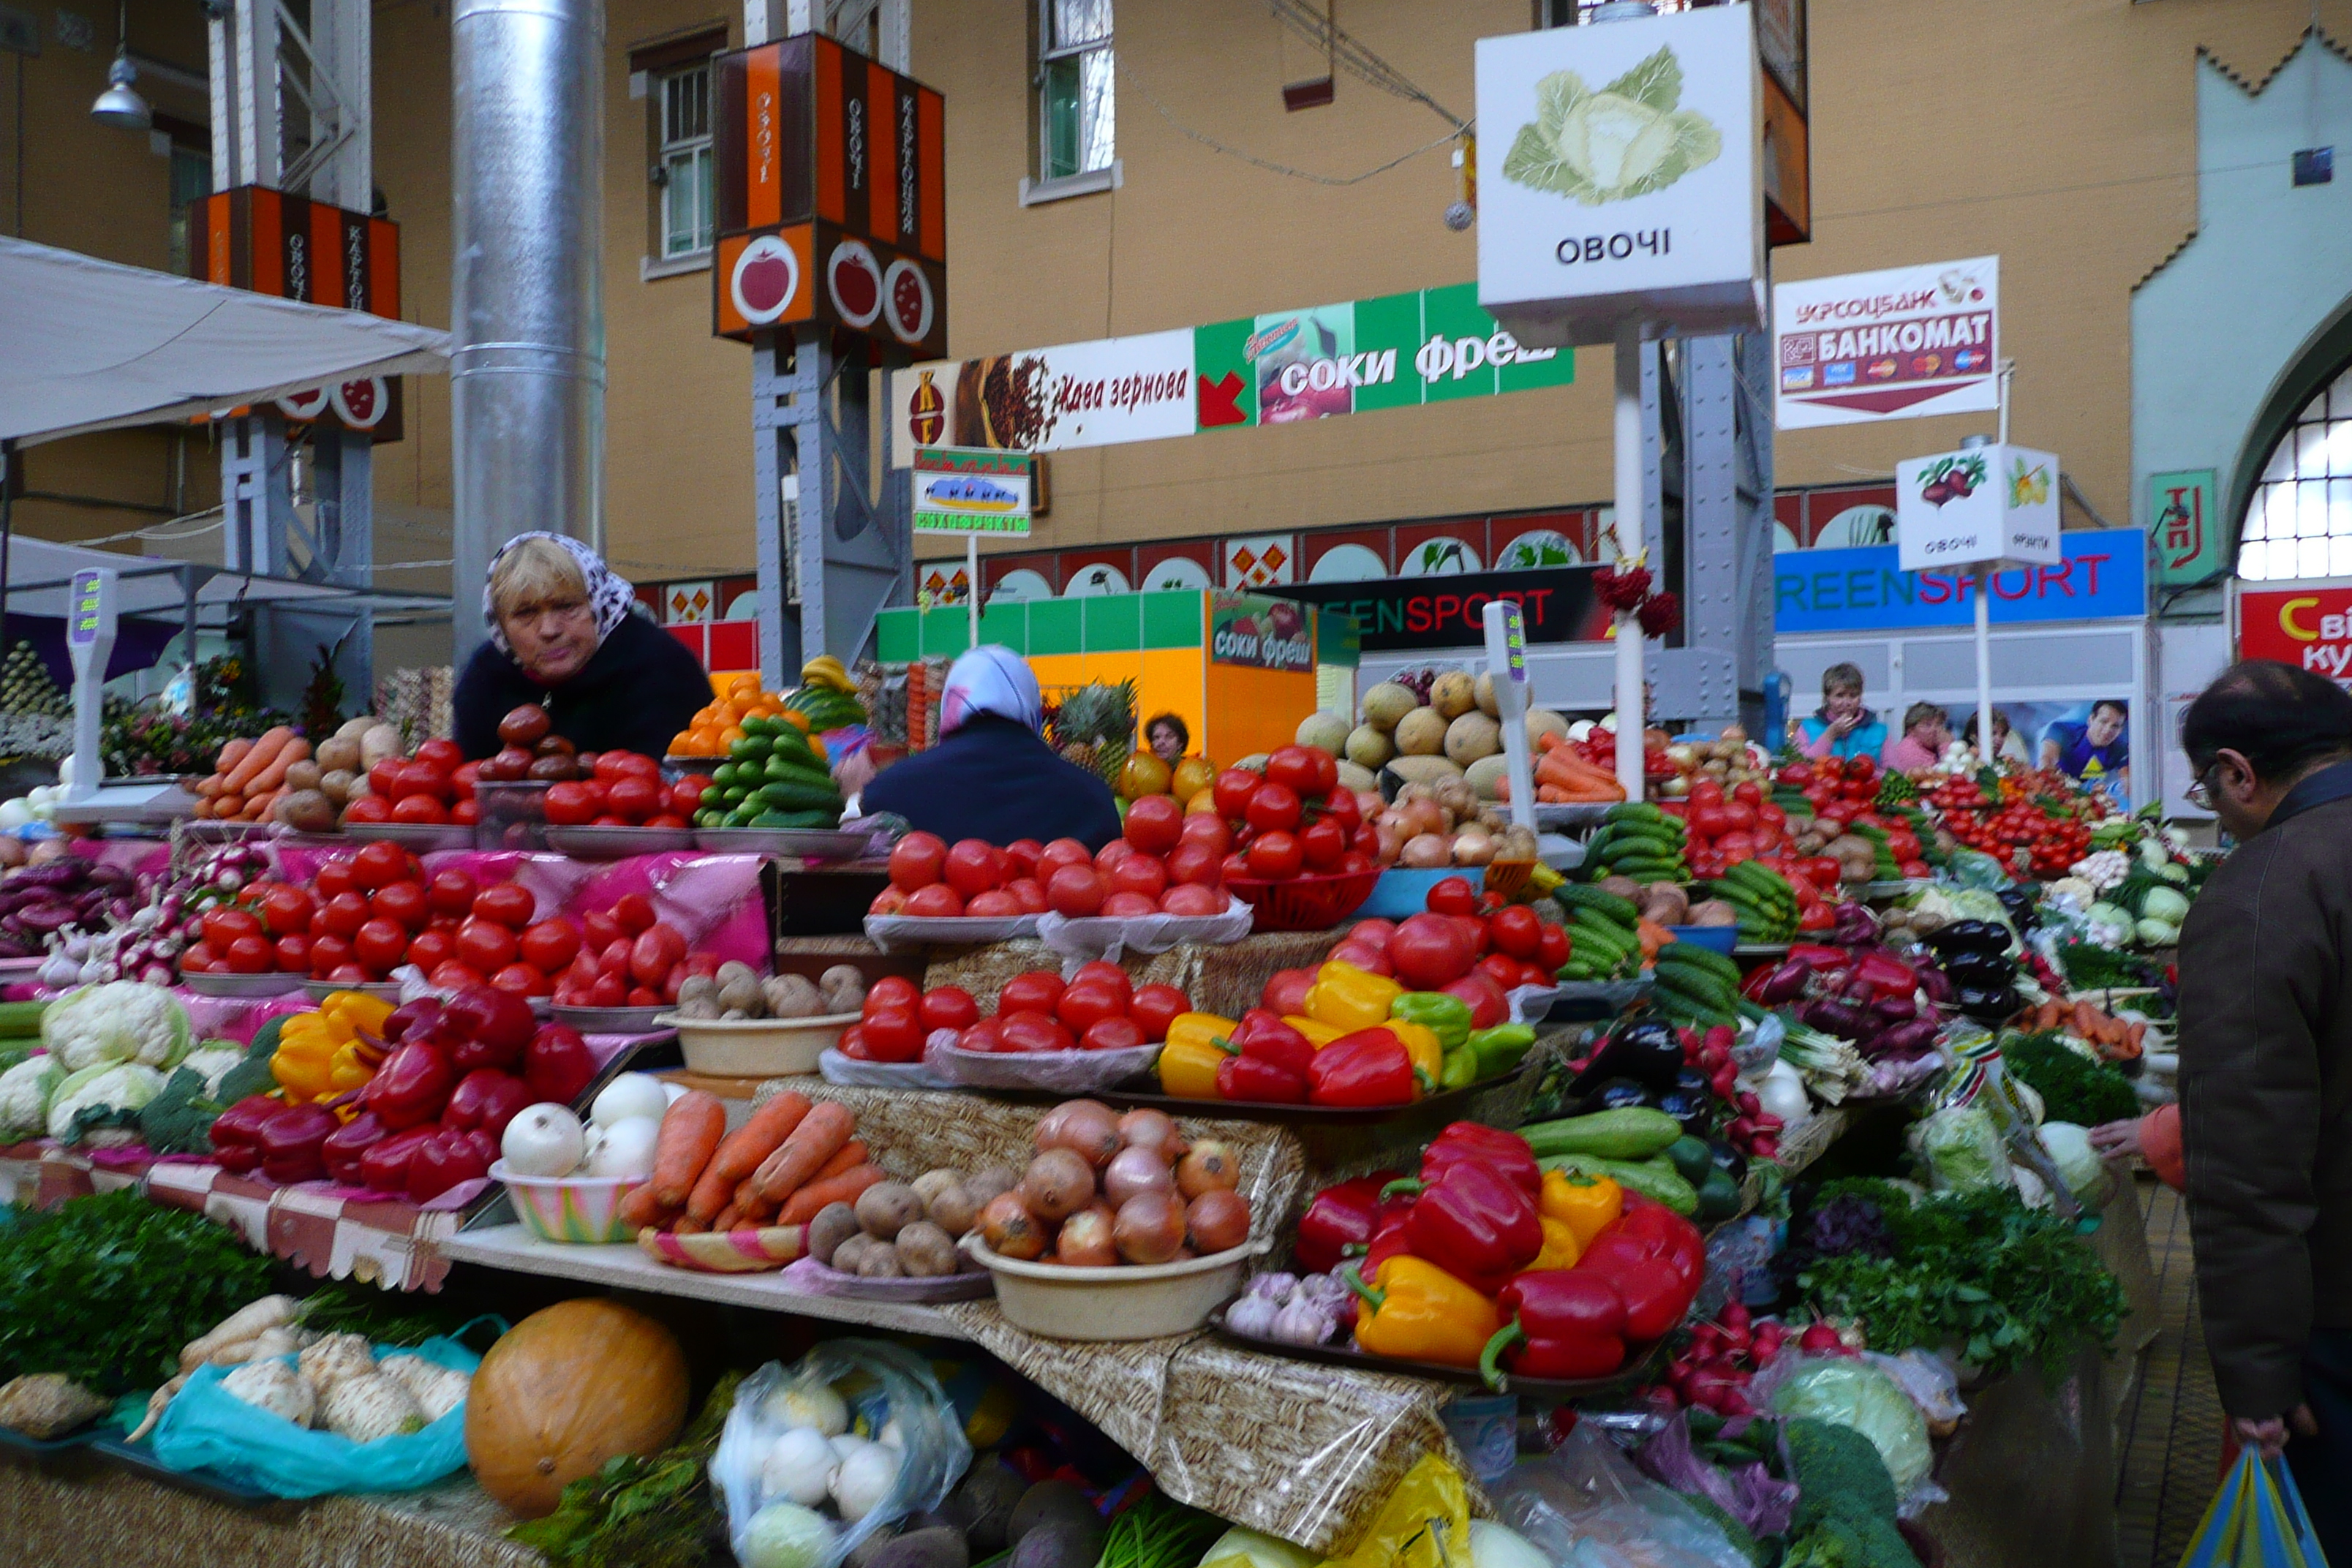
[208, 1428]
[2256, 1520]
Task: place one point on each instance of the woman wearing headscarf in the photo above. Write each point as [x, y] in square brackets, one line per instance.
[991, 776]
[564, 634]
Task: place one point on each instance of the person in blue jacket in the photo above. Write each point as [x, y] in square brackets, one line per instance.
[1843, 727]
[992, 776]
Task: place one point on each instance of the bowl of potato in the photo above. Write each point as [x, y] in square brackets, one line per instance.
[738, 1024]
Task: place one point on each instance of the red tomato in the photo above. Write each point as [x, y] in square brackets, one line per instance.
[381, 864]
[1706, 792]
[1322, 843]
[1025, 1031]
[402, 901]
[1112, 853]
[1154, 823]
[1130, 906]
[1087, 1002]
[441, 755]
[423, 809]
[344, 914]
[250, 955]
[422, 778]
[293, 952]
[1295, 768]
[286, 910]
[599, 930]
[348, 974]
[429, 950]
[1274, 856]
[893, 1033]
[981, 1037]
[510, 904]
[1102, 972]
[1075, 893]
[1232, 792]
[634, 911]
[1115, 1034]
[455, 976]
[892, 991]
[1021, 857]
[462, 777]
[1061, 852]
[368, 808]
[380, 944]
[225, 925]
[1031, 991]
[328, 953]
[1208, 830]
[1517, 929]
[1235, 864]
[1452, 896]
[334, 877]
[949, 1007]
[1140, 873]
[937, 901]
[1274, 808]
[198, 958]
[1556, 948]
[1501, 968]
[686, 795]
[384, 777]
[1028, 894]
[484, 944]
[993, 904]
[1431, 950]
[973, 866]
[549, 945]
[1192, 899]
[1342, 809]
[1196, 865]
[1155, 1007]
[633, 796]
[522, 980]
[570, 804]
[450, 893]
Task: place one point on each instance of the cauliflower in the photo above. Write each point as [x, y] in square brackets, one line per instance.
[25, 1091]
[100, 1105]
[120, 1021]
[212, 1061]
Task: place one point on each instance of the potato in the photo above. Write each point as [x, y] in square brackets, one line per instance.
[336, 784]
[842, 974]
[305, 811]
[1712, 913]
[887, 1208]
[879, 1261]
[304, 774]
[791, 996]
[951, 1209]
[739, 995]
[379, 744]
[841, 999]
[846, 1253]
[1624, 888]
[985, 1184]
[834, 1223]
[931, 1183]
[924, 1250]
[338, 754]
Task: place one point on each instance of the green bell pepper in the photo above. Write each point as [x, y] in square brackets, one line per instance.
[1499, 1048]
[1460, 1069]
[1448, 1017]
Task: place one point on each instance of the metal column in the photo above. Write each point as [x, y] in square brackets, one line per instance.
[1727, 556]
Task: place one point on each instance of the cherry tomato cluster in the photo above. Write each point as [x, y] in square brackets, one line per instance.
[1098, 1009]
[1728, 826]
[1292, 820]
[2050, 841]
[624, 789]
[434, 787]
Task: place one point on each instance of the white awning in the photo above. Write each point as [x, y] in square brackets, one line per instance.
[87, 345]
[158, 586]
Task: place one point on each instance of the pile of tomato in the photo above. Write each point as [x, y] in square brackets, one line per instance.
[1292, 820]
[2051, 840]
[434, 787]
[624, 789]
[1099, 1008]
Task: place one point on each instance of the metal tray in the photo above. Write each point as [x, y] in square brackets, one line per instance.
[244, 987]
[1546, 1390]
[320, 990]
[417, 838]
[807, 843]
[1760, 949]
[611, 1020]
[592, 843]
[1572, 813]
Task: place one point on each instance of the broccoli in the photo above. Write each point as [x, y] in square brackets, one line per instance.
[1837, 1472]
[1839, 1542]
[179, 1120]
[251, 1075]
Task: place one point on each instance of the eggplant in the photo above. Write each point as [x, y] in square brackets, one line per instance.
[1727, 1160]
[1690, 1081]
[1988, 1004]
[1647, 1051]
[2021, 903]
[1785, 983]
[1832, 1016]
[1613, 1094]
[1694, 1111]
[1981, 970]
[1987, 937]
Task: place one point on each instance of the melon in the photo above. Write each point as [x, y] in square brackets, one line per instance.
[1485, 691]
[1369, 746]
[1143, 774]
[1424, 770]
[1422, 734]
[1452, 694]
[1542, 722]
[1486, 776]
[1386, 705]
[566, 1389]
[1354, 778]
[1253, 764]
[1326, 732]
[1472, 736]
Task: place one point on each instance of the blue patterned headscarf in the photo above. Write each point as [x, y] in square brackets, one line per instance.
[990, 679]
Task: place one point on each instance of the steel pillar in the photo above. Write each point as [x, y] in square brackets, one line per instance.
[1726, 556]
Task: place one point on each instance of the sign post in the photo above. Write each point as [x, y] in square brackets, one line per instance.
[972, 490]
[1507, 667]
[90, 639]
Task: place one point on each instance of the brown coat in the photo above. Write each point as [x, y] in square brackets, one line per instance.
[2267, 1096]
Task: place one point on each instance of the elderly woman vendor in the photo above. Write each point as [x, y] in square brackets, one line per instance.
[563, 634]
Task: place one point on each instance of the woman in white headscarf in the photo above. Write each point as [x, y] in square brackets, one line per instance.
[566, 635]
[991, 776]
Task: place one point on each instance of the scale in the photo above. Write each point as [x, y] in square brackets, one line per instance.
[1507, 666]
[90, 616]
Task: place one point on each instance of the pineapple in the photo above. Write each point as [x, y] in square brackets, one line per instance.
[1094, 727]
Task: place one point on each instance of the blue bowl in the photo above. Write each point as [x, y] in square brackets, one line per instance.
[1402, 891]
[1714, 938]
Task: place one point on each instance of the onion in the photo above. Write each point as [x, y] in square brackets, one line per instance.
[1426, 852]
[1144, 1128]
[1088, 1239]
[1218, 1220]
[1149, 1228]
[1010, 1229]
[1137, 1170]
[1087, 1127]
[1209, 1165]
[1057, 1184]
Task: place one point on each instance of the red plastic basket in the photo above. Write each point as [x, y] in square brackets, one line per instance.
[1304, 903]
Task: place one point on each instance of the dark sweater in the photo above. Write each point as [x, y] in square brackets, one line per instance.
[637, 689]
[996, 780]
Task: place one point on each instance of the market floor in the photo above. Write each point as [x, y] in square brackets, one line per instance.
[2171, 1431]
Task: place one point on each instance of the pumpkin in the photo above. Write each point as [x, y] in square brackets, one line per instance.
[565, 1390]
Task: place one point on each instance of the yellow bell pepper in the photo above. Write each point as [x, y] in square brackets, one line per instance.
[303, 1063]
[351, 1066]
[1560, 1248]
[1189, 1061]
[1415, 1310]
[1586, 1204]
[1350, 997]
[1421, 1044]
[1318, 1033]
[353, 1011]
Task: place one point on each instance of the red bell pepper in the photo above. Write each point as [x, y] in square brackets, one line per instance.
[488, 1098]
[451, 1155]
[1262, 1037]
[292, 1144]
[1558, 1323]
[1474, 1223]
[1368, 1068]
[1655, 1259]
[1820, 957]
[384, 1166]
[1341, 1216]
[412, 1087]
[1241, 1078]
[347, 1145]
[1887, 975]
[1506, 1153]
[236, 1132]
[557, 1064]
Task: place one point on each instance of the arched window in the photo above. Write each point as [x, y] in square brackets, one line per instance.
[2299, 518]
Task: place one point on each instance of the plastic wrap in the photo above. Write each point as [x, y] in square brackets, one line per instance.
[879, 1387]
[1048, 1072]
[891, 933]
[1850, 1391]
[1748, 1494]
[815, 1279]
[1585, 1506]
[835, 1067]
[1108, 937]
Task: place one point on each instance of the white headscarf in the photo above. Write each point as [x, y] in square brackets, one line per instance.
[610, 595]
[990, 679]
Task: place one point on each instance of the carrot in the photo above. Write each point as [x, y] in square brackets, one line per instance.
[727, 1219]
[817, 1139]
[687, 1224]
[256, 805]
[1653, 936]
[274, 775]
[810, 1200]
[2133, 1034]
[691, 1132]
[741, 1153]
[208, 787]
[231, 754]
[263, 753]
[642, 1209]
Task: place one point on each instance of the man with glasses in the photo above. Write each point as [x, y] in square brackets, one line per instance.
[2266, 1071]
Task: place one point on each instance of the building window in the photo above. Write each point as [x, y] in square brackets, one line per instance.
[191, 182]
[2299, 518]
[681, 108]
[1077, 98]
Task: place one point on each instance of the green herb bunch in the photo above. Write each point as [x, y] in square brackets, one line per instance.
[1979, 1271]
[2073, 1087]
[657, 1512]
[106, 1290]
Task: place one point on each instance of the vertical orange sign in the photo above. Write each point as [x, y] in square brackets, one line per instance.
[763, 137]
[830, 172]
[931, 144]
[882, 139]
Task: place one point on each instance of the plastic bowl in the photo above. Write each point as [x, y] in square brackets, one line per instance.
[1714, 938]
[755, 1047]
[584, 1210]
[1132, 1303]
[1403, 890]
[1304, 903]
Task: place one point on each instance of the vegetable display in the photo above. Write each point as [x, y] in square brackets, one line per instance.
[776, 775]
[1105, 1190]
[1099, 1009]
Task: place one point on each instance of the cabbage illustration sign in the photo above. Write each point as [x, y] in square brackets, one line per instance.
[1621, 177]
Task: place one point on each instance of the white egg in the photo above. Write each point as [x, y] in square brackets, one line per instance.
[543, 1140]
[632, 1094]
[628, 1148]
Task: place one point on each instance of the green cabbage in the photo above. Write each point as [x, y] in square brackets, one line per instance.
[1850, 1392]
[2163, 904]
[2157, 933]
[1627, 139]
[1962, 1149]
[785, 1536]
[2070, 1150]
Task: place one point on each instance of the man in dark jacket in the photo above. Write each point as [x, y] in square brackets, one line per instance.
[2266, 1071]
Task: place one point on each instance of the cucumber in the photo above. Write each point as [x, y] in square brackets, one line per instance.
[1704, 959]
[1650, 870]
[1653, 1179]
[1628, 1132]
[1636, 811]
[818, 819]
[1691, 1158]
[21, 1020]
[1657, 832]
[781, 795]
[1573, 897]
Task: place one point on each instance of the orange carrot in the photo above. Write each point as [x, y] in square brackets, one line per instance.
[727, 1219]
[687, 1224]
[231, 754]
[806, 1203]
[817, 1139]
[263, 753]
[691, 1132]
[1653, 936]
[741, 1152]
[642, 1209]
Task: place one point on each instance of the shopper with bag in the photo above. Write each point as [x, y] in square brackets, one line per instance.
[2266, 1072]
